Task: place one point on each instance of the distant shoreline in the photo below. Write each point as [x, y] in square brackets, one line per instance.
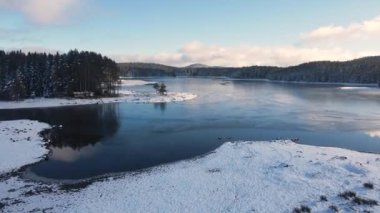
[374, 85]
[317, 83]
[359, 71]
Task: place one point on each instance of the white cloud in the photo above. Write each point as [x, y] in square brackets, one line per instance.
[361, 30]
[42, 12]
[214, 55]
[333, 43]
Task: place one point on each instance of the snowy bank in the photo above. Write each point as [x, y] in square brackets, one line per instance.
[237, 177]
[20, 143]
[133, 82]
[125, 96]
[360, 88]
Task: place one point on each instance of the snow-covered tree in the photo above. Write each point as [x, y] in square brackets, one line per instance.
[40, 74]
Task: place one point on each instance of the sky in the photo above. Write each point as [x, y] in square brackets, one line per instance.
[212, 32]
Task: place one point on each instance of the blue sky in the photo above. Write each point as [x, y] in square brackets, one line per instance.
[215, 32]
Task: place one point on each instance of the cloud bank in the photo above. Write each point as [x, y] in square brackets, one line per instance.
[334, 43]
[43, 12]
[355, 31]
[214, 55]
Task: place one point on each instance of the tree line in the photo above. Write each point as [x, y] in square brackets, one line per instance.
[363, 70]
[56, 75]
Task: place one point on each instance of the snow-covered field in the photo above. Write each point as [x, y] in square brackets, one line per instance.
[237, 177]
[20, 143]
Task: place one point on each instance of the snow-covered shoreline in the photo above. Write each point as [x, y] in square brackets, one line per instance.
[20, 143]
[377, 89]
[238, 176]
[135, 82]
[125, 96]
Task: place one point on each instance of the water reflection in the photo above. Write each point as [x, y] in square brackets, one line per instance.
[90, 127]
[69, 154]
[74, 127]
[160, 106]
[373, 134]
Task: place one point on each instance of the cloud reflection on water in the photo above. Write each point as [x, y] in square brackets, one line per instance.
[68, 154]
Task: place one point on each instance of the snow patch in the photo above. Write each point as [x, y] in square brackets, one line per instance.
[132, 82]
[359, 88]
[20, 143]
[125, 96]
[355, 169]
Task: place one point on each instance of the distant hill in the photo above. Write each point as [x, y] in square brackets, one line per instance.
[363, 70]
[146, 69]
[197, 66]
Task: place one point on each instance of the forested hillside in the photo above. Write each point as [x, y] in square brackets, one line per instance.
[47, 75]
[146, 69]
[363, 70]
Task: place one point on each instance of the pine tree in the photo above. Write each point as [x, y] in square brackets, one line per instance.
[37, 75]
[160, 88]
